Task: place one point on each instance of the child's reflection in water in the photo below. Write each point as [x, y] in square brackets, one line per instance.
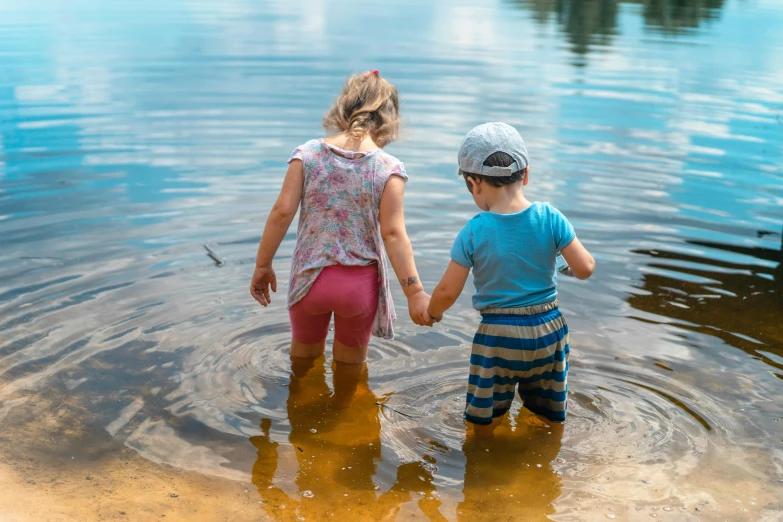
[503, 480]
[337, 442]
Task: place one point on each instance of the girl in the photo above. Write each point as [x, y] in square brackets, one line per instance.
[351, 195]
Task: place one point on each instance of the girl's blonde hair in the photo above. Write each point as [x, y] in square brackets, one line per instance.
[368, 105]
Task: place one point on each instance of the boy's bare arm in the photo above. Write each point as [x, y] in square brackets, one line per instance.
[579, 259]
[448, 290]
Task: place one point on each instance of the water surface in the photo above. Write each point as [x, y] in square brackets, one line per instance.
[132, 134]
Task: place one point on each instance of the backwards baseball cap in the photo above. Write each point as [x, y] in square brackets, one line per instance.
[485, 140]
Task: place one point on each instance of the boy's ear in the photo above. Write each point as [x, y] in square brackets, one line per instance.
[475, 185]
[526, 177]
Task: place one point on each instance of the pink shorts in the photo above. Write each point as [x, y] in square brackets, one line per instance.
[351, 293]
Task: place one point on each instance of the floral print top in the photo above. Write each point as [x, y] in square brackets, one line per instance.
[339, 219]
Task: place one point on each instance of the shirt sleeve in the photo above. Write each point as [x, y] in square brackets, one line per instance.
[297, 154]
[562, 230]
[399, 170]
[462, 250]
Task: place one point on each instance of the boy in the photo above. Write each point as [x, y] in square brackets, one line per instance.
[522, 341]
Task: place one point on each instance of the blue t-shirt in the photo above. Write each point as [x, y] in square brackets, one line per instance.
[513, 255]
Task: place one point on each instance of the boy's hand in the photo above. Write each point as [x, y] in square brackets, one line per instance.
[263, 278]
[434, 319]
[417, 308]
[568, 272]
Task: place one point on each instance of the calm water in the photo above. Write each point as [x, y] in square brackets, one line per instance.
[131, 134]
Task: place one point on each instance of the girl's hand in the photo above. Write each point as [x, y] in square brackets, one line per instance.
[263, 278]
[417, 308]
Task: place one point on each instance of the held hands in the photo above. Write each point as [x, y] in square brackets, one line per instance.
[263, 279]
[434, 319]
[417, 308]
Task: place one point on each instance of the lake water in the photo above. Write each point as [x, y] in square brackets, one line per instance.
[134, 133]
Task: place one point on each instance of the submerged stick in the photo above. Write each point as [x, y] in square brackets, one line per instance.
[397, 411]
[215, 257]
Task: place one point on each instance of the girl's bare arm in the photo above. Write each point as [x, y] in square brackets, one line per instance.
[280, 218]
[399, 249]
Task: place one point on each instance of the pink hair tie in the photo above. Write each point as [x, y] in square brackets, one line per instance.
[375, 72]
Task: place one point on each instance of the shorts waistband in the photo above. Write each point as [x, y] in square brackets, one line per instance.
[526, 310]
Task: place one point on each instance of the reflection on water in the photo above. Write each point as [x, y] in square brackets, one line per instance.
[330, 466]
[131, 135]
[593, 22]
[511, 475]
[675, 15]
[336, 438]
[586, 22]
[741, 304]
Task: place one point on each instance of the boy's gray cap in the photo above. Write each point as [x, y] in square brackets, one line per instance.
[483, 141]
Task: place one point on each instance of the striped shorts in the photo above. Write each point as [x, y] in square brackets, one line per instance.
[522, 349]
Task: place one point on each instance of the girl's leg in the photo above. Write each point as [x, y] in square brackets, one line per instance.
[349, 354]
[347, 378]
[308, 350]
[354, 313]
[309, 331]
[352, 331]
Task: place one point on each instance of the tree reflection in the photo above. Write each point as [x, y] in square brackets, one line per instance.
[672, 16]
[590, 23]
[336, 442]
[586, 22]
[743, 308]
